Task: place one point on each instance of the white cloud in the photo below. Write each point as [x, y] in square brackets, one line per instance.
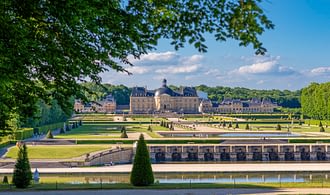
[258, 68]
[137, 69]
[264, 65]
[178, 69]
[321, 70]
[154, 58]
[194, 59]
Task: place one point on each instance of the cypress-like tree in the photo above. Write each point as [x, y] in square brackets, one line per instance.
[320, 124]
[22, 172]
[322, 129]
[49, 135]
[278, 127]
[149, 128]
[142, 174]
[124, 134]
[247, 127]
[236, 126]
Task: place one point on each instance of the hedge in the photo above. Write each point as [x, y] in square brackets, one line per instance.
[185, 141]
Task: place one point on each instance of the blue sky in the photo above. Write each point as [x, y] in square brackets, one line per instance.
[298, 54]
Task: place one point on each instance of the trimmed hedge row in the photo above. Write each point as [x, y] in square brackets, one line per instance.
[149, 141]
[309, 141]
[44, 129]
[23, 133]
[316, 122]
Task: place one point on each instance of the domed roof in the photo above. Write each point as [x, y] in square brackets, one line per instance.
[164, 90]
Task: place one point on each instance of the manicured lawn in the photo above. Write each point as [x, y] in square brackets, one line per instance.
[97, 185]
[108, 131]
[57, 152]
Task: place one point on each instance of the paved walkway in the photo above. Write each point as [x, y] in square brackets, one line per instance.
[161, 168]
[225, 191]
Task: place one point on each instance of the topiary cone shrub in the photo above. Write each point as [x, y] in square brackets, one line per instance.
[22, 172]
[124, 134]
[247, 127]
[149, 128]
[278, 127]
[322, 129]
[236, 126]
[141, 174]
[5, 179]
[49, 135]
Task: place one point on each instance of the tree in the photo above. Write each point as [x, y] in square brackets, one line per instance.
[47, 48]
[320, 124]
[278, 127]
[5, 180]
[142, 174]
[22, 171]
[49, 135]
[247, 127]
[322, 129]
[236, 126]
[124, 134]
[149, 128]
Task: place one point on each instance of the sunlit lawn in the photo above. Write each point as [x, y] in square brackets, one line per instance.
[108, 131]
[57, 152]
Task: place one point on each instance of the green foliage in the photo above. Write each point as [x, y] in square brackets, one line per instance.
[46, 35]
[49, 135]
[141, 174]
[320, 124]
[124, 134]
[278, 127]
[122, 129]
[286, 98]
[22, 172]
[149, 128]
[315, 101]
[230, 125]
[322, 129]
[247, 127]
[5, 180]
[236, 126]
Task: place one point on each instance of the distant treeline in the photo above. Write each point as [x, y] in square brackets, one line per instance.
[121, 93]
[286, 98]
[315, 101]
[47, 114]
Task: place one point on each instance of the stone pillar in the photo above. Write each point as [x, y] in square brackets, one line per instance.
[297, 156]
[313, 155]
[249, 156]
[233, 156]
[281, 156]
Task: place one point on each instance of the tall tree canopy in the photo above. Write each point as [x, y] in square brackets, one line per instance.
[47, 47]
[315, 101]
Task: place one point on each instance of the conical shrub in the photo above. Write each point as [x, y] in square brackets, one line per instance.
[142, 174]
[49, 135]
[22, 172]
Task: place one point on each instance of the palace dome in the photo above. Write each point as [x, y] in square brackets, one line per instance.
[164, 90]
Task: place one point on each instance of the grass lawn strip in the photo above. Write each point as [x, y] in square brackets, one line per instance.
[57, 152]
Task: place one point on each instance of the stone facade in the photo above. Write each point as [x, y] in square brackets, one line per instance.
[107, 105]
[254, 105]
[164, 100]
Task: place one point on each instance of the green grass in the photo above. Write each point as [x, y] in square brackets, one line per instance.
[56, 152]
[97, 185]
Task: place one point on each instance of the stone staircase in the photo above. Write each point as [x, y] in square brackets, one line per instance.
[116, 156]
